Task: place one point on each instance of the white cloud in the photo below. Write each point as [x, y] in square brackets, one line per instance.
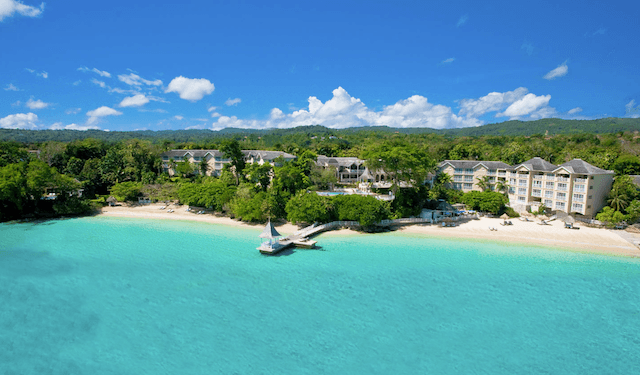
[215, 114]
[212, 108]
[76, 83]
[36, 104]
[632, 110]
[462, 20]
[575, 110]
[9, 7]
[134, 101]
[448, 61]
[560, 71]
[494, 101]
[132, 79]
[61, 126]
[179, 118]
[11, 87]
[343, 110]
[103, 111]
[42, 74]
[230, 102]
[192, 89]
[101, 73]
[19, 121]
[199, 127]
[99, 83]
[73, 111]
[530, 104]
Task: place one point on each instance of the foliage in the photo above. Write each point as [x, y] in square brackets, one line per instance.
[308, 207]
[409, 202]
[633, 212]
[126, 191]
[626, 164]
[511, 212]
[212, 193]
[611, 216]
[232, 150]
[486, 201]
[365, 209]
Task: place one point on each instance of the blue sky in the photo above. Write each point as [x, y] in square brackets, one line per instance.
[124, 65]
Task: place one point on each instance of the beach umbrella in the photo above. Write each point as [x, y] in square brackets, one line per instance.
[504, 217]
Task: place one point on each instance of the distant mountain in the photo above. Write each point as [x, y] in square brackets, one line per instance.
[549, 126]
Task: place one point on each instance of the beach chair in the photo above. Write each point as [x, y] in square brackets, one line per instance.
[163, 207]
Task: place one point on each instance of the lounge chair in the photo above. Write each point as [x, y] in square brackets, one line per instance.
[163, 207]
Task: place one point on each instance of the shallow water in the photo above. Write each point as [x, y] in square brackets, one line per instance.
[130, 296]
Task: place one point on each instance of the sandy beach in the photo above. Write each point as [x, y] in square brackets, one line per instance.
[585, 239]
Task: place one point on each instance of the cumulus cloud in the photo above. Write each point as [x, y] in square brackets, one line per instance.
[134, 101]
[19, 121]
[61, 126]
[230, 102]
[73, 111]
[179, 118]
[132, 79]
[494, 101]
[103, 111]
[8, 8]
[530, 104]
[101, 73]
[41, 74]
[36, 104]
[560, 71]
[215, 114]
[11, 87]
[462, 20]
[575, 110]
[192, 89]
[448, 61]
[343, 110]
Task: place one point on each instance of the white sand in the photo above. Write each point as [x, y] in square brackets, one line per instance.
[585, 239]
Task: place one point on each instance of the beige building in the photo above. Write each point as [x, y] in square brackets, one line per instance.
[575, 186]
[216, 159]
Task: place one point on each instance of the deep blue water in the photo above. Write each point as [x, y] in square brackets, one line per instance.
[128, 296]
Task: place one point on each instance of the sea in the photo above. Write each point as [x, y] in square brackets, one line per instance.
[130, 296]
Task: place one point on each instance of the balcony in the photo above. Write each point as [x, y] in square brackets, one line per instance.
[536, 193]
[562, 179]
[564, 188]
[537, 176]
[561, 198]
[502, 174]
[580, 180]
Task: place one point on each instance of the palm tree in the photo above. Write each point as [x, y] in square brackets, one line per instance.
[503, 186]
[618, 201]
[204, 166]
[483, 183]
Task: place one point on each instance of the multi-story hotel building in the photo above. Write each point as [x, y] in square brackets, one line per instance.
[216, 159]
[575, 186]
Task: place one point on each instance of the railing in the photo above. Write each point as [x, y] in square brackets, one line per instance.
[502, 174]
[536, 194]
[537, 176]
[564, 188]
[537, 184]
[562, 179]
[580, 180]
[561, 198]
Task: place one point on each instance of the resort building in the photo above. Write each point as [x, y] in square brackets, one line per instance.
[575, 186]
[351, 170]
[216, 159]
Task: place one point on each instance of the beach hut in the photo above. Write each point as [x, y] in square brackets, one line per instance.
[271, 234]
[112, 201]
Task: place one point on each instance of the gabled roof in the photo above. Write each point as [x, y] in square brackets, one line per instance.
[267, 155]
[342, 161]
[179, 154]
[471, 164]
[580, 166]
[537, 164]
[269, 231]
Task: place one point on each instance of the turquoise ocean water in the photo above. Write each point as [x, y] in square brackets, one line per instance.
[128, 296]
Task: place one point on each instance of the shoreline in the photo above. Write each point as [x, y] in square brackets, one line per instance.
[554, 236]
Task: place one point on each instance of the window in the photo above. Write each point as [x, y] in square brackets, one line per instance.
[561, 196]
[548, 194]
[468, 186]
[458, 170]
[468, 178]
[522, 182]
[536, 193]
[468, 170]
[492, 171]
[576, 207]
[522, 191]
[512, 190]
[457, 186]
[548, 203]
[549, 185]
[579, 188]
[512, 181]
[562, 186]
[578, 197]
[560, 205]
[591, 187]
[591, 197]
[522, 199]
